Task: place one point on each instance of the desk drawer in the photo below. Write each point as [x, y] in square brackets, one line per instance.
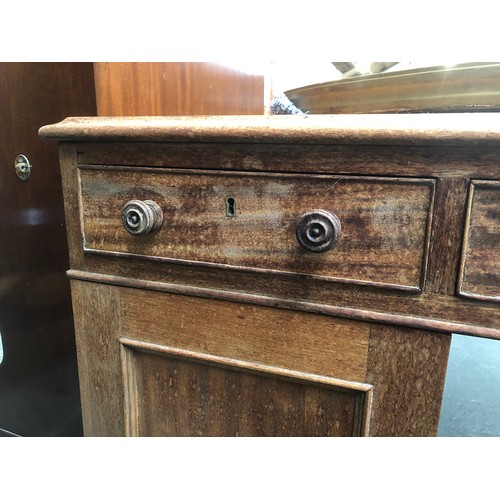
[249, 221]
[480, 270]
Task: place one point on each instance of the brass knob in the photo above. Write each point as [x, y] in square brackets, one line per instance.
[141, 217]
[318, 231]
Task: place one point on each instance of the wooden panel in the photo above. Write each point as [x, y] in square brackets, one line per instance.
[407, 368]
[447, 162]
[480, 270]
[383, 241]
[446, 238]
[176, 88]
[289, 339]
[97, 326]
[183, 394]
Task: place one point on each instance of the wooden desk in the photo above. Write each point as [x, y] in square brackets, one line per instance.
[294, 275]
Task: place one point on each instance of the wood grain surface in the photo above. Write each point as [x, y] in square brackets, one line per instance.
[178, 393]
[480, 270]
[437, 312]
[236, 369]
[383, 240]
[290, 339]
[437, 307]
[393, 130]
[407, 368]
[224, 322]
[442, 161]
[149, 366]
[176, 88]
[97, 322]
[38, 375]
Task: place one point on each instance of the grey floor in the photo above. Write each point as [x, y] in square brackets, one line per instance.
[471, 400]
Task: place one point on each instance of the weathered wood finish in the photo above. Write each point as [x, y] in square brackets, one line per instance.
[383, 240]
[452, 166]
[449, 161]
[406, 130]
[407, 368]
[480, 270]
[442, 313]
[258, 334]
[97, 320]
[219, 371]
[224, 397]
[381, 352]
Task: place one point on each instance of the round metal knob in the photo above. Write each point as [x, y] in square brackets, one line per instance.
[318, 231]
[141, 217]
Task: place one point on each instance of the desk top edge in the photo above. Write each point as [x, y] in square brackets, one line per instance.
[392, 129]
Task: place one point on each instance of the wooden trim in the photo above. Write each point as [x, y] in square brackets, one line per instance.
[130, 405]
[465, 244]
[238, 364]
[396, 161]
[331, 310]
[375, 284]
[475, 296]
[407, 129]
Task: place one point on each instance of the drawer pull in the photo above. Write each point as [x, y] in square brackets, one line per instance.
[318, 231]
[141, 217]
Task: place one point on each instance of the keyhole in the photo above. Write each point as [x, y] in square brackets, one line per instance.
[230, 207]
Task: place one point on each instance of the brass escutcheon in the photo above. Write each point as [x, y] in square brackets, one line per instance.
[22, 167]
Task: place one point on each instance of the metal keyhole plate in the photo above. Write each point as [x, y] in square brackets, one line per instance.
[22, 167]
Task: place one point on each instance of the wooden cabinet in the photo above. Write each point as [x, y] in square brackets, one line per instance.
[38, 373]
[276, 276]
[176, 88]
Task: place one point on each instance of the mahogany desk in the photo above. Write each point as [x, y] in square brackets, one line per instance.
[281, 275]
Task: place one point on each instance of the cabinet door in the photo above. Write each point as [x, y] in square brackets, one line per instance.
[38, 377]
[160, 364]
[172, 392]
